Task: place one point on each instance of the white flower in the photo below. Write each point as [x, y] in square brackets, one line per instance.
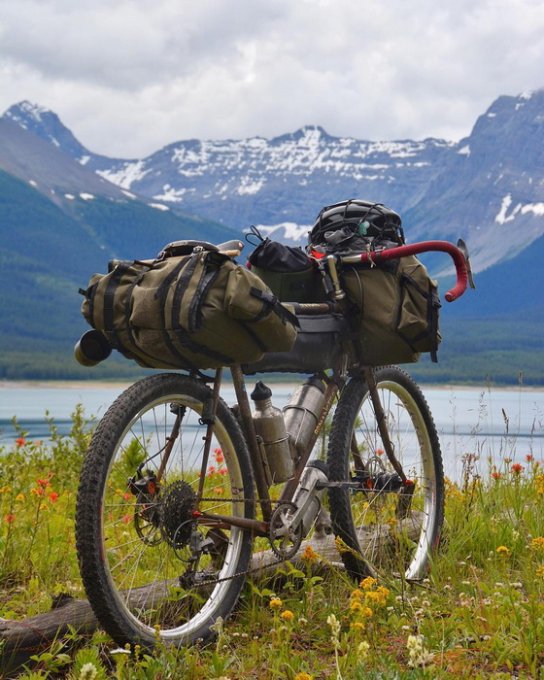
[418, 655]
[88, 671]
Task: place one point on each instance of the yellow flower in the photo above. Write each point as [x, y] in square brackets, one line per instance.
[539, 484]
[309, 554]
[303, 676]
[20, 497]
[538, 544]
[540, 571]
[368, 583]
[287, 615]
[275, 603]
[503, 550]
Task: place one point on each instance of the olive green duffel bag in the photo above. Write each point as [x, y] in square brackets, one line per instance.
[396, 305]
[193, 311]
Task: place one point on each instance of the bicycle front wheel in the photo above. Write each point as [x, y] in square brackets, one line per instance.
[386, 525]
[153, 565]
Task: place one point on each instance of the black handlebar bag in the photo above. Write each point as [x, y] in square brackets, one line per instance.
[287, 271]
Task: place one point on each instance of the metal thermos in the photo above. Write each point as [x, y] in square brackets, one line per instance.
[302, 414]
[272, 436]
[307, 498]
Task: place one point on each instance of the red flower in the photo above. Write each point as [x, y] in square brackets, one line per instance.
[9, 518]
[219, 457]
[53, 496]
[529, 458]
[211, 471]
[20, 441]
[42, 482]
[496, 475]
[517, 468]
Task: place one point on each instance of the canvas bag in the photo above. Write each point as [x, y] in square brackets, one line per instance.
[198, 310]
[396, 310]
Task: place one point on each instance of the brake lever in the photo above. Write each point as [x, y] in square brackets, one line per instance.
[463, 248]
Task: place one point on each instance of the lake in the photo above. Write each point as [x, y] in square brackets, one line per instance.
[494, 423]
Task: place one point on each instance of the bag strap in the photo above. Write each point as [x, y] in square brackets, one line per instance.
[253, 234]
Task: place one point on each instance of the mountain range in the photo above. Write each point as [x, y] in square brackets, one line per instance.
[64, 211]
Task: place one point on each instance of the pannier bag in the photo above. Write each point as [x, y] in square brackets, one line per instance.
[397, 307]
[395, 304]
[187, 310]
[287, 271]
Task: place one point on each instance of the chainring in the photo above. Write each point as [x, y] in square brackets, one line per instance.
[284, 539]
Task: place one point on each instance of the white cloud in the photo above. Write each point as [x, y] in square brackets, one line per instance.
[131, 76]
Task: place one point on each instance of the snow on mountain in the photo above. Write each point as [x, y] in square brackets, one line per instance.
[488, 188]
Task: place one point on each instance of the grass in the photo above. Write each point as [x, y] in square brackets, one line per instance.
[479, 614]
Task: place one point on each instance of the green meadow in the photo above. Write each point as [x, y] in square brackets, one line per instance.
[479, 614]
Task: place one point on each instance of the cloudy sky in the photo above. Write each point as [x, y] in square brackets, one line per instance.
[131, 76]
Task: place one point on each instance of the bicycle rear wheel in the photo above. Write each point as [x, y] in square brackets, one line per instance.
[385, 526]
[152, 566]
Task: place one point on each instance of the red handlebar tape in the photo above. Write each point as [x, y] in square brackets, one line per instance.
[415, 249]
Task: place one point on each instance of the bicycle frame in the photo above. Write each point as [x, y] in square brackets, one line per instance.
[460, 259]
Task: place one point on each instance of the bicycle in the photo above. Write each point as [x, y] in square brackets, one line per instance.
[177, 495]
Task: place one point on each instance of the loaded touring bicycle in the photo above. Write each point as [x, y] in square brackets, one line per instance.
[182, 496]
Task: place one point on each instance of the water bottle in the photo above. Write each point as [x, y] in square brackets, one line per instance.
[302, 413]
[272, 435]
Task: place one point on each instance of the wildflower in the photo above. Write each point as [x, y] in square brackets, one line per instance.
[219, 457]
[287, 615]
[362, 650]
[378, 596]
[537, 544]
[275, 603]
[20, 497]
[43, 482]
[5, 489]
[53, 496]
[334, 624]
[219, 490]
[503, 550]
[211, 471]
[126, 519]
[9, 518]
[540, 571]
[303, 676]
[37, 491]
[127, 496]
[539, 484]
[20, 441]
[418, 655]
[529, 458]
[88, 672]
[496, 475]
[517, 468]
[309, 554]
[379, 452]
[368, 583]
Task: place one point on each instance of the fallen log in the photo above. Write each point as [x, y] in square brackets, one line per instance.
[20, 639]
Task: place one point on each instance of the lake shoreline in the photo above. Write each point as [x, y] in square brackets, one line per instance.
[102, 384]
